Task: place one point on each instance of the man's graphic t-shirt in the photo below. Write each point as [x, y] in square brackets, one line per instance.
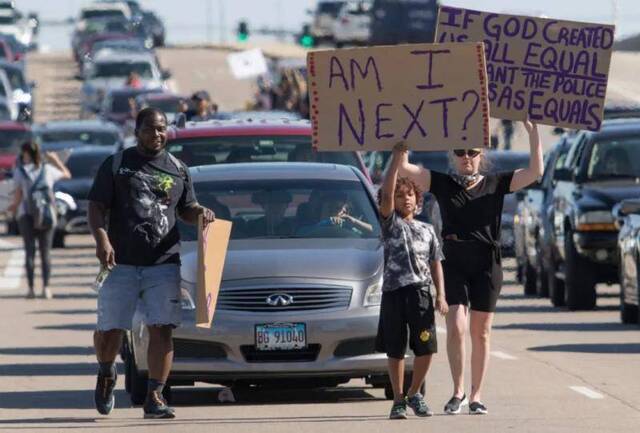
[143, 198]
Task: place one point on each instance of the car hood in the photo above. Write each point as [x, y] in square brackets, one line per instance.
[611, 193]
[78, 188]
[340, 259]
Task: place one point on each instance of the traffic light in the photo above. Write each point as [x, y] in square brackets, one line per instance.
[243, 31]
[306, 39]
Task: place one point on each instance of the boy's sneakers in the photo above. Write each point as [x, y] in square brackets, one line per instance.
[419, 406]
[399, 410]
[156, 408]
[454, 406]
[103, 395]
[477, 408]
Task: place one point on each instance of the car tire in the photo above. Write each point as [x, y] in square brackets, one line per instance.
[58, 239]
[542, 280]
[137, 381]
[580, 284]
[529, 279]
[556, 285]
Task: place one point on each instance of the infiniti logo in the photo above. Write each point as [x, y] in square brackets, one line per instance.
[279, 300]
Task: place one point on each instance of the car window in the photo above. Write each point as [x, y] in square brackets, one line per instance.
[85, 165]
[11, 140]
[97, 13]
[166, 105]
[233, 149]
[615, 158]
[332, 8]
[290, 209]
[89, 137]
[16, 78]
[574, 153]
[123, 69]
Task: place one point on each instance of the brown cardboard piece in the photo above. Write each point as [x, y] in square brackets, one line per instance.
[213, 241]
[555, 71]
[433, 97]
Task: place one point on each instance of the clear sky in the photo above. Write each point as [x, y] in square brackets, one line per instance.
[187, 19]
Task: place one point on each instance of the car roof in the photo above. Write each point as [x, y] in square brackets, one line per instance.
[160, 96]
[9, 125]
[274, 171]
[123, 56]
[76, 125]
[132, 91]
[245, 127]
[617, 127]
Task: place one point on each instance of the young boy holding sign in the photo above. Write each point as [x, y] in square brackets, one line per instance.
[412, 256]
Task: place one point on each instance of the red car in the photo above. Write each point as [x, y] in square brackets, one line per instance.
[12, 135]
[235, 141]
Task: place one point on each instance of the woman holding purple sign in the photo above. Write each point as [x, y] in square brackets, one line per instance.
[471, 200]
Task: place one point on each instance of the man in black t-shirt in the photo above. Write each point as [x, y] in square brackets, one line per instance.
[142, 190]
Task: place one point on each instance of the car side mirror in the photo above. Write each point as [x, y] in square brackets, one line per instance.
[558, 131]
[166, 74]
[33, 84]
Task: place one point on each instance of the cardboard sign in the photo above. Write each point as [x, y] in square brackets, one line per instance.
[556, 72]
[433, 97]
[247, 64]
[213, 241]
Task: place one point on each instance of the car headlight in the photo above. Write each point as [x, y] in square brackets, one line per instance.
[188, 291]
[373, 295]
[599, 220]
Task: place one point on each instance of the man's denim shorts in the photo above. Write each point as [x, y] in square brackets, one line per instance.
[156, 288]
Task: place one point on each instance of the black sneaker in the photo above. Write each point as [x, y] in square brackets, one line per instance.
[454, 406]
[477, 408]
[103, 396]
[398, 410]
[419, 406]
[156, 408]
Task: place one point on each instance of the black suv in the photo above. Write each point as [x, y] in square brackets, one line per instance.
[601, 169]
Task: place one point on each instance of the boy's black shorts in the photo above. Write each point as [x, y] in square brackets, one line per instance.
[407, 307]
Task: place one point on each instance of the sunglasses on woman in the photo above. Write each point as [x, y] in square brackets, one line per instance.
[471, 153]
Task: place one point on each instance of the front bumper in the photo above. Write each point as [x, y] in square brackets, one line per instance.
[598, 247]
[340, 345]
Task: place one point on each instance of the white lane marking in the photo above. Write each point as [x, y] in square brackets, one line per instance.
[441, 330]
[587, 392]
[502, 355]
[6, 245]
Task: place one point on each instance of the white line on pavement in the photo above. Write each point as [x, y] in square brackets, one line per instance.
[502, 355]
[587, 392]
[5, 245]
[13, 271]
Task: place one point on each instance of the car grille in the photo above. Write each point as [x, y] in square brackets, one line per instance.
[197, 349]
[308, 354]
[302, 299]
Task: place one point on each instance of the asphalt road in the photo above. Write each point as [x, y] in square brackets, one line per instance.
[551, 370]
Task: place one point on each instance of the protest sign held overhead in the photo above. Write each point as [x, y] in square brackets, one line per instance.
[554, 71]
[433, 97]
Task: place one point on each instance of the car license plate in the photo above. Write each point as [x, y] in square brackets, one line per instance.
[281, 336]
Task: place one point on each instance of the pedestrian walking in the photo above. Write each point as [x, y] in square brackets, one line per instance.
[471, 200]
[142, 190]
[412, 258]
[34, 207]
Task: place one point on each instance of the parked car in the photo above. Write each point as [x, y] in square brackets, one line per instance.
[106, 10]
[83, 163]
[23, 90]
[155, 27]
[533, 225]
[111, 71]
[601, 169]
[233, 141]
[328, 312]
[324, 19]
[628, 215]
[84, 132]
[403, 21]
[353, 23]
[118, 105]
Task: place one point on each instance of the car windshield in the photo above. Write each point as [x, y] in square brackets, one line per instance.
[318, 209]
[232, 149]
[615, 158]
[85, 165]
[11, 140]
[102, 13]
[169, 105]
[123, 69]
[7, 20]
[103, 138]
[332, 8]
[5, 114]
[120, 103]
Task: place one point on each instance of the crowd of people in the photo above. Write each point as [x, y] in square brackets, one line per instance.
[290, 93]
